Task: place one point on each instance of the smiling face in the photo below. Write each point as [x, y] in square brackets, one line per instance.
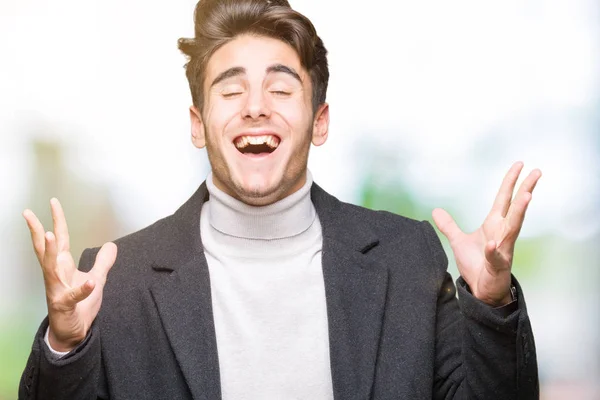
[257, 121]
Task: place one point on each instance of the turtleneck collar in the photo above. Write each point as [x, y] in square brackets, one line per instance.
[286, 218]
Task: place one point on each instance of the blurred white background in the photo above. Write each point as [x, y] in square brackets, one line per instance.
[431, 102]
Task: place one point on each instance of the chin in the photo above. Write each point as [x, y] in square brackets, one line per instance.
[263, 186]
[259, 192]
[258, 198]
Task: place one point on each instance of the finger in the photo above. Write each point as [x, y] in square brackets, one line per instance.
[518, 207]
[60, 225]
[446, 224]
[104, 260]
[65, 266]
[505, 193]
[36, 229]
[75, 295]
[494, 256]
[529, 183]
[49, 261]
[515, 218]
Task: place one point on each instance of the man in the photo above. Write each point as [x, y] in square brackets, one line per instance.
[263, 286]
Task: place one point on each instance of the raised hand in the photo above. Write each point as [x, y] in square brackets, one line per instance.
[73, 297]
[484, 257]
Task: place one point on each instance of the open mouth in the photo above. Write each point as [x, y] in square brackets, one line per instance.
[257, 145]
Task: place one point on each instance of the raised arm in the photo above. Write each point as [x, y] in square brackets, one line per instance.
[73, 299]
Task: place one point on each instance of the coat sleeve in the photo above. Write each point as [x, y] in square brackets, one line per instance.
[480, 352]
[75, 376]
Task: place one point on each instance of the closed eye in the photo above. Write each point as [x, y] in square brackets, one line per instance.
[280, 93]
[232, 94]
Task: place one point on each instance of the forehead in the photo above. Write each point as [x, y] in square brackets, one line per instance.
[254, 54]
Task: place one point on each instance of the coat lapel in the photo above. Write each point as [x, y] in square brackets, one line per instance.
[355, 290]
[183, 300]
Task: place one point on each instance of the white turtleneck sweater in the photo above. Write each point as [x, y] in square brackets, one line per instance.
[268, 296]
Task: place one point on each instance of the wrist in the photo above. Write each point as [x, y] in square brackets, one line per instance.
[501, 300]
[62, 346]
[506, 300]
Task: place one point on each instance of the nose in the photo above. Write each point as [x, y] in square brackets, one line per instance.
[256, 106]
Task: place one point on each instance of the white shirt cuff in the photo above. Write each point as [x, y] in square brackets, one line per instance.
[57, 354]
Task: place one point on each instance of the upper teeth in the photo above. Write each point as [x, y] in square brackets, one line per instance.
[269, 140]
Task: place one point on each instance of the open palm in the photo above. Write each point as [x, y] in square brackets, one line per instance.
[72, 301]
[484, 257]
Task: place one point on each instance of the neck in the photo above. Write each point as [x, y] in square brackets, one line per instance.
[285, 218]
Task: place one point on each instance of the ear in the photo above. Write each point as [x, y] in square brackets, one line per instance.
[321, 125]
[198, 132]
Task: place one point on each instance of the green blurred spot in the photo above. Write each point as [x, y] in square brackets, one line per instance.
[15, 345]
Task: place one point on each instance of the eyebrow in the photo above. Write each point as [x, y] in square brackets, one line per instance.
[228, 73]
[285, 69]
[236, 71]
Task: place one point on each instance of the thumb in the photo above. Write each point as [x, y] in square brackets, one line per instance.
[493, 255]
[75, 295]
[446, 224]
[104, 260]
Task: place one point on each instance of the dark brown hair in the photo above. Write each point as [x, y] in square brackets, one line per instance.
[217, 22]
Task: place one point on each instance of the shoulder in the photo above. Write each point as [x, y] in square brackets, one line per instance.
[382, 221]
[401, 240]
[392, 226]
[138, 245]
[165, 242]
[386, 225]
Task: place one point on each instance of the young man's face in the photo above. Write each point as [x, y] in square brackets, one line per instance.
[257, 121]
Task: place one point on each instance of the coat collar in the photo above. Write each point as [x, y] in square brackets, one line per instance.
[355, 288]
